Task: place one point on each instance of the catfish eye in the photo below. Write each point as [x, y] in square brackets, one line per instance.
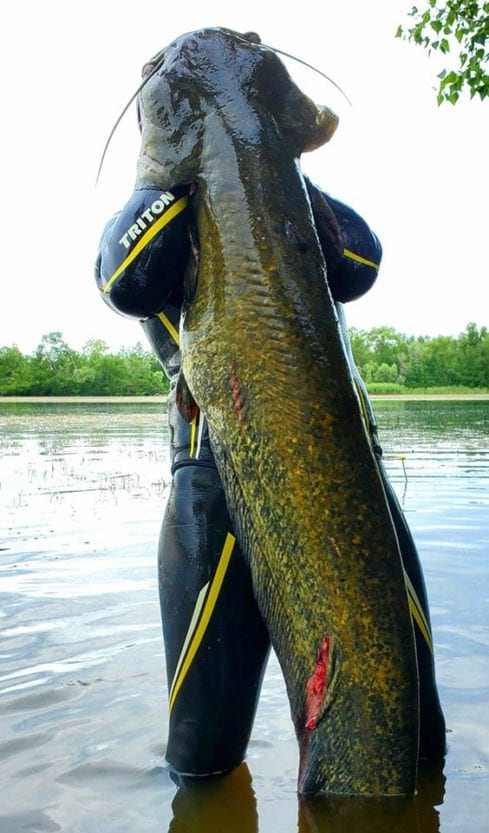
[147, 69]
[152, 64]
[252, 37]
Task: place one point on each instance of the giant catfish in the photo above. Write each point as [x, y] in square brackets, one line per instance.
[263, 358]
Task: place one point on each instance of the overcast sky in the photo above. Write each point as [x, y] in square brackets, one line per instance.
[417, 173]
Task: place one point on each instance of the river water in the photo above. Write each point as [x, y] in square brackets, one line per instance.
[82, 684]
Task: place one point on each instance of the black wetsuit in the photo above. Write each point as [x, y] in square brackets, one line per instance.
[215, 640]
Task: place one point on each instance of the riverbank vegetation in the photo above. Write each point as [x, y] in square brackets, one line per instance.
[55, 369]
[390, 362]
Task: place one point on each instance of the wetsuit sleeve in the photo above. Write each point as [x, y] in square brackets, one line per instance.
[144, 251]
[351, 250]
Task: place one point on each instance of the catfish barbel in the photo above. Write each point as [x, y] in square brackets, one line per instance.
[263, 359]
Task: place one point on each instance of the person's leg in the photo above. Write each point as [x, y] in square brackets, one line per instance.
[215, 641]
[432, 731]
[214, 805]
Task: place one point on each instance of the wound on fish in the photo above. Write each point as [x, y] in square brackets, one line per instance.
[185, 402]
[236, 394]
[317, 683]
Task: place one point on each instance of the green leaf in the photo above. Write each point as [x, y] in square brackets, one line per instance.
[451, 77]
[467, 22]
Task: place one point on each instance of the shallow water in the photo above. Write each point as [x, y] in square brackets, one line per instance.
[83, 691]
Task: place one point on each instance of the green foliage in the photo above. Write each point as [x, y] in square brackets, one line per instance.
[389, 362]
[57, 370]
[15, 372]
[457, 28]
[385, 387]
[384, 357]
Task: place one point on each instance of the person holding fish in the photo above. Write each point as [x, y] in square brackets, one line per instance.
[216, 641]
[225, 662]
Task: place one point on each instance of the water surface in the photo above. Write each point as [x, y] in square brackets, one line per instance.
[82, 684]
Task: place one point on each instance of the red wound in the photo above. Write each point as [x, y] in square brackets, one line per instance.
[185, 402]
[316, 684]
[237, 394]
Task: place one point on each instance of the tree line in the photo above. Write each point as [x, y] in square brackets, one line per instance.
[55, 369]
[388, 361]
[385, 356]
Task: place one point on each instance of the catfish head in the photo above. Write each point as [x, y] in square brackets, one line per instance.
[218, 74]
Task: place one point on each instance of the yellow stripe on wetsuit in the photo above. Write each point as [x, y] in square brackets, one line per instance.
[193, 428]
[417, 612]
[198, 624]
[169, 326]
[359, 259]
[169, 215]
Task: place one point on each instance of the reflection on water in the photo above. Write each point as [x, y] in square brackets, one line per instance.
[83, 694]
[417, 815]
[212, 806]
[221, 805]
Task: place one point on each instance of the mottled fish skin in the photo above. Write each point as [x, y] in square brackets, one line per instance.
[263, 358]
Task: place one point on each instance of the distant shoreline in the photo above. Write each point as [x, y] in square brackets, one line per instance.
[430, 396]
[83, 400]
[161, 399]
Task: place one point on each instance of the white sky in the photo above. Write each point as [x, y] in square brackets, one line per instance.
[417, 173]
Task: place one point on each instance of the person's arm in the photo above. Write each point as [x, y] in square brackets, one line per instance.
[144, 252]
[351, 250]
[353, 254]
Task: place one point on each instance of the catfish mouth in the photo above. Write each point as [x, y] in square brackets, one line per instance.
[219, 71]
[154, 64]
